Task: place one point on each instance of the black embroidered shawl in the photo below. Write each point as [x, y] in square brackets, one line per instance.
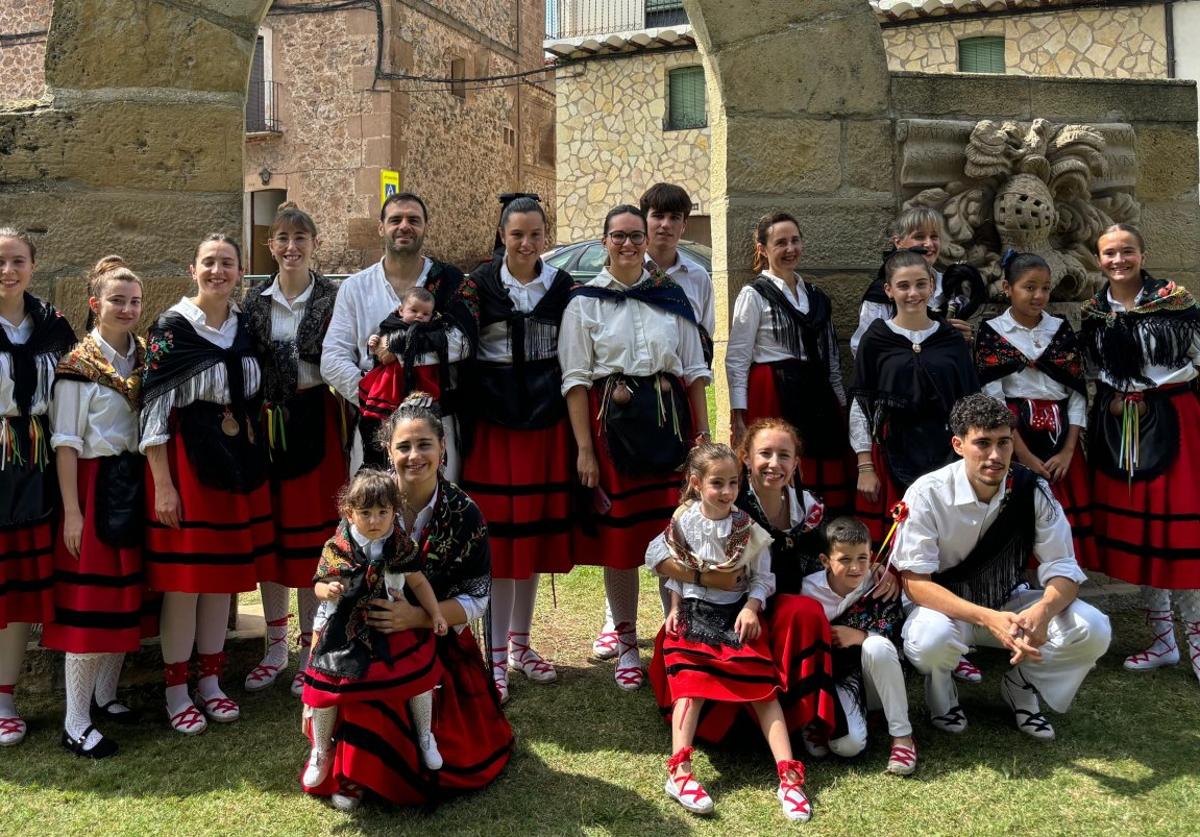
[52, 334]
[659, 291]
[794, 552]
[455, 297]
[813, 331]
[1159, 331]
[175, 354]
[1062, 360]
[454, 546]
[279, 358]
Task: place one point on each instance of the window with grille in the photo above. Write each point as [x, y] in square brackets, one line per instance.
[665, 13]
[685, 99]
[981, 55]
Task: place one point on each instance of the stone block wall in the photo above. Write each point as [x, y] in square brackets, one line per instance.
[23, 27]
[1120, 42]
[611, 143]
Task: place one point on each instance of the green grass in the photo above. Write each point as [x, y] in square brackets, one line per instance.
[589, 760]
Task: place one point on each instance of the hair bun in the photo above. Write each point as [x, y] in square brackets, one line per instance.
[420, 400]
[106, 264]
[285, 206]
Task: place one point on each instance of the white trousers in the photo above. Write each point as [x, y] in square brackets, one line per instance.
[883, 680]
[1075, 639]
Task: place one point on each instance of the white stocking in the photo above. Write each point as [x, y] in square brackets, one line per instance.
[107, 679]
[523, 603]
[621, 591]
[504, 592]
[177, 637]
[421, 707]
[81, 670]
[275, 610]
[1156, 603]
[212, 622]
[13, 640]
[1189, 609]
[323, 721]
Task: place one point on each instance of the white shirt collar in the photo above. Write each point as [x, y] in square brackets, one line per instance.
[545, 277]
[192, 312]
[801, 291]
[1048, 324]
[423, 515]
[362, 540]
[276, 293]
[680, 265]
[604, 279]
[964, 492]
[111, 354]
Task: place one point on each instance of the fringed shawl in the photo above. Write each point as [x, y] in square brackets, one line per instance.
[1158, 331]
[794, 552]
[1062, 360]
[532, 335]
[52, 335]
[746, 540]
[793, 330]
[454, 546]
[659, 291]
[280, 357]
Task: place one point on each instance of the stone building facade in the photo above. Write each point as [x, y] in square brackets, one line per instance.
[23, 28]
[339, 125]
[612, 86]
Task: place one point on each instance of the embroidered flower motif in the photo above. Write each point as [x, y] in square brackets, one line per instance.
[1166, 290]
[158, 348]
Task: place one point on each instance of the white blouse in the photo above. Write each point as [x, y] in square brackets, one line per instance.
[800, 506]
[1160, 375]
[600, 337]
[707, 540]
[1029, 382]
[494, 344]
[752, 340]
[93, 419]
[212, 385]
[697, 286]
[45, 362]
[860, 428]
[285, 323]
[869, 312]
[363, 301]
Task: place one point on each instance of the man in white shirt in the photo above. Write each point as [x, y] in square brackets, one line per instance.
[367, 297]
[667, 207]
[970, 530]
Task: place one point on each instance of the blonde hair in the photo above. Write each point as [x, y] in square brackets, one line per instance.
[698, 462]
[915, 219]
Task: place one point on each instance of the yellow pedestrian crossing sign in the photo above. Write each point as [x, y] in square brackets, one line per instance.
[389, 184]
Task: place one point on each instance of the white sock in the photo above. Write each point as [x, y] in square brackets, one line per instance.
[1160, 618]
[306, 606]
[81, 672]
[212, 621]
[621, 591]
[13, 640]
[421, 707]
[275, 599]
[323, 722]
[108, 678]
[177, 636]
[504, 592]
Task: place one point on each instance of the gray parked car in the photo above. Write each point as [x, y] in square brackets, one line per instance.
[584, 259]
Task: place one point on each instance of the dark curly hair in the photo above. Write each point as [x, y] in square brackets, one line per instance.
[979, 412]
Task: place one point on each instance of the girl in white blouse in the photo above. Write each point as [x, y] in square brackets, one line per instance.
[209, 510]
[32, 337]
[98, 587]
[1033, 362]
[629, 347]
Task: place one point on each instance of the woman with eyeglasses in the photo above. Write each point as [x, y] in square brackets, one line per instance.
[305, 432]
[634, 378]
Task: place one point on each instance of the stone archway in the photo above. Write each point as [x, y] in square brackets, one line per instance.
[137, 146]
[800, 115]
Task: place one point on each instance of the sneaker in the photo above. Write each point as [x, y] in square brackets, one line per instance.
[429, 752]
[317, 771]
[954, 721]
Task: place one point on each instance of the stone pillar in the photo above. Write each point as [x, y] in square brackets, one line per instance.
[137, 146]
[799, 112]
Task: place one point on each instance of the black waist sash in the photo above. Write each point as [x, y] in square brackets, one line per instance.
[808, 401]
[994, 568]
[301, 448]
[528, 399]
[710, 623]
[121, 499]
[28, 491]
[1158, 432]
[651, 433]
[237, 463]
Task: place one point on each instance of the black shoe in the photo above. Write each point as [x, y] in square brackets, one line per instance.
[124, 717]
[103, 748]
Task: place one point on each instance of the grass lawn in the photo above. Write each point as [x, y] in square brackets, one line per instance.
[589, 760]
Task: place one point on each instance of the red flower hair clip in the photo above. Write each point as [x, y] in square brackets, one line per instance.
[900, 512]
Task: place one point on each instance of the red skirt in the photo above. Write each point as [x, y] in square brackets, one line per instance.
[376, 744]
[1074, 492]
[878, 515]
[640, 508]
[26, 572]
[220, 538]
[382, 389]
[100, 600]
[414, 669]
[798, 640]
[831, 479]
[1148, 532]
[305, 510]
[682, 668]
[522, 482]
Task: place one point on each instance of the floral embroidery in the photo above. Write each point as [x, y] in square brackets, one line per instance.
[159, 347]
[88, 362]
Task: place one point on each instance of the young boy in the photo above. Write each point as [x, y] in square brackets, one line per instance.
[866, 661]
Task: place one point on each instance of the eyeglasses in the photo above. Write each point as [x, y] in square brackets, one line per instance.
[282, 240]
[619, 238]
